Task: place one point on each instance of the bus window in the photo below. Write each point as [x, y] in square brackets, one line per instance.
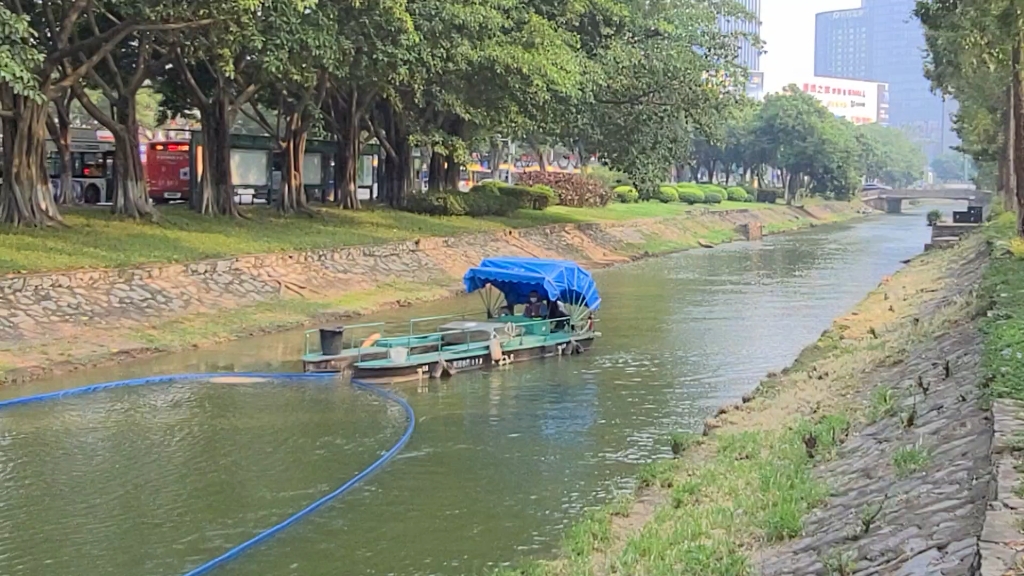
[53, 165]
[90, 165]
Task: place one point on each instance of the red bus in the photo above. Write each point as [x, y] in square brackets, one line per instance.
[167, 171]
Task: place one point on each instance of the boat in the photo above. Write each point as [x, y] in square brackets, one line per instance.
[441, 346]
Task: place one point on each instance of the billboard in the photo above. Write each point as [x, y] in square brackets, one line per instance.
[855, 100]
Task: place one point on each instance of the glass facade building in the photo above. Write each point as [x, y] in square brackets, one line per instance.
[749, 55]
[841, 44]
[883, 42]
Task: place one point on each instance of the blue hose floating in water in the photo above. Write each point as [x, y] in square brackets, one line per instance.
[273, 530]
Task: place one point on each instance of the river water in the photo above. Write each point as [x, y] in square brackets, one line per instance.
[156, 480]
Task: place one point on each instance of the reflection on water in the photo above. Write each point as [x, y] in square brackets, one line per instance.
[165, 477]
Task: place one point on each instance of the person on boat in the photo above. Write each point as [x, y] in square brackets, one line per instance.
[557, 311]
[534, 307]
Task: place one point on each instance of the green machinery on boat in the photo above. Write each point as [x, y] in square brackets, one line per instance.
[441, 346]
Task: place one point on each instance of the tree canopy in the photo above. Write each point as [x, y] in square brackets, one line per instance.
[629, 80]
[974, 53]
[811, 149]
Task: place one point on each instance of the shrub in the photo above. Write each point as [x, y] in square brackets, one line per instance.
[610, 178]
[627, 194]
[713, 198]
[768, 195]
[749, 198]
[576, 190]
[526, 197]
[666, 194]
[492, 199]
[543, 196]
[737, 194]
[750, 190]
[691, 195]
[934, 217]
[712, 189]
[530, 197]
[440, 203]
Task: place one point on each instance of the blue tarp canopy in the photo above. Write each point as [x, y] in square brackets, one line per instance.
[552, 279]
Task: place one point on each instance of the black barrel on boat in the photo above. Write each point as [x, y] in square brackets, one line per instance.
[332, 340]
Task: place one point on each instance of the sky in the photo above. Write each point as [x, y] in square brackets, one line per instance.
[787, 29]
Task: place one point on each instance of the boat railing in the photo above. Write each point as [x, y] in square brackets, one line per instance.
[351, 333]
[440, 341]
[415, 321]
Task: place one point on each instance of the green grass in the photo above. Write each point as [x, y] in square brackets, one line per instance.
[1003, 327]
[767, 475]
[910, 459]
[96, 239]
[883, 403]
[589, 534]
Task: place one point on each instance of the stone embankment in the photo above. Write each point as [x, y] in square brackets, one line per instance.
[910, 489]
[69, 319]
[914, 491]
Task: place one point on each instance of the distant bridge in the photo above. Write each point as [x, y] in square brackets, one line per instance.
[892, 200]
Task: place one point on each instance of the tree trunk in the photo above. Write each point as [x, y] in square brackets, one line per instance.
[347, 117]
[1003, 173]
[497, 150]
[452, 172]
[382, 177]
[293, 191]
[398, 168]
[542, 159]
[131, 197]
[25, 195]
[1016, 115]
[436, 177]
[62, 139]
[217, 190]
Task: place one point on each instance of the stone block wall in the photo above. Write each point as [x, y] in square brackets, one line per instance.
[45, 307]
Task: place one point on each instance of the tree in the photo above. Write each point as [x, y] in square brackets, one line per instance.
[952, 166]
[52, 47]
[889, 156]
[975, 50]
[789, 126]
[216, 70]
[658, 74]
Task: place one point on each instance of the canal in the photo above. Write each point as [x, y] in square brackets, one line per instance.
[156, 480]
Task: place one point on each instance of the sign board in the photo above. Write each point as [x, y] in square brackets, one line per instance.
[855, 100]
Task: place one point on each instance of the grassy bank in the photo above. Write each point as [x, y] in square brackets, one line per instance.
[96, 239]
[749, 483]
[1003, 291]
[185, 236]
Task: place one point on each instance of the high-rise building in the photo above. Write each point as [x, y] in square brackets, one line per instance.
[841, 44]
[883, 42]
[749, 55]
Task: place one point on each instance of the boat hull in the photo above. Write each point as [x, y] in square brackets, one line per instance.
[418, 371]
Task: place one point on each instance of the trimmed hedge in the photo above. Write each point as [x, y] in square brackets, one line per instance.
[712, 189]
[737, 194]
[627, 194]
[527, 197]
[485, 199]
[713, 198]
[666, 194]
[691, 195]
[439, 203]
